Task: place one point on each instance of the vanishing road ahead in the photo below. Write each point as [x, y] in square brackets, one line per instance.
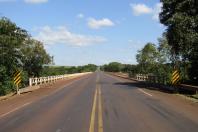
[98, 103]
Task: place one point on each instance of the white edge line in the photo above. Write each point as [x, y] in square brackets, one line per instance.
[15, 109]
[145, 92]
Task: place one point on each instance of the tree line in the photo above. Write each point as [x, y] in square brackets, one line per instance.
[59, 70]
[19, 51]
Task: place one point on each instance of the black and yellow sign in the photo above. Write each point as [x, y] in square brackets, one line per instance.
[17, 78]
[175, 77]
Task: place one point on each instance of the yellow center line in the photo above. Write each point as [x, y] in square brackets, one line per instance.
[100, 120]
[97, 96]
[92, 122]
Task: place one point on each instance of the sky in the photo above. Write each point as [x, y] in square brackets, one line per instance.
[79, 32]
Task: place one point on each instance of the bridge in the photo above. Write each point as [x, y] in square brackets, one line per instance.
[97, 102]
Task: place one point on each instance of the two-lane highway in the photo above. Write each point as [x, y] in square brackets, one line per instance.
[102, 103]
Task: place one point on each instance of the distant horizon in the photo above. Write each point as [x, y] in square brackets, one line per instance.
[88, 64]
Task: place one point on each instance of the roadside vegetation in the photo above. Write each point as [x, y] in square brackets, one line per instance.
[19, 51]
[176, 49]
[59, 70]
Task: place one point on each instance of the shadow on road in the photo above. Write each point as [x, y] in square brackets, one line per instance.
[135, 85]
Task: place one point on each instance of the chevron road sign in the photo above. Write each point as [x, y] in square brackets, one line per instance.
[175, 77]
[17, 79]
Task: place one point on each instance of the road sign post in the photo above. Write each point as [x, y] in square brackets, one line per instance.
[17, 80]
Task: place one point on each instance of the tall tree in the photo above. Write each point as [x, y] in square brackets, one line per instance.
[181, 19]
[11, 40]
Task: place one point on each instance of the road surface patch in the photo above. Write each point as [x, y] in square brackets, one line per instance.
[17, 108]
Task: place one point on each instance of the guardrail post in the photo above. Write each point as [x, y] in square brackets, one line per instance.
[30, 81]
[36, 81]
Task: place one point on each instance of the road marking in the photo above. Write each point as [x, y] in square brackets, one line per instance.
[97, 103]
[100, 120]
[92, 122]
[15, 109]
[145, 92]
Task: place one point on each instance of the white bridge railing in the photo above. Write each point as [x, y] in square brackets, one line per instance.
[43, 80]
[141, 77]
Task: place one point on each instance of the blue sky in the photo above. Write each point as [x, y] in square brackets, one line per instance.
[78, 32]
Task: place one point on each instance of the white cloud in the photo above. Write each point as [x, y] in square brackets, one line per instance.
[139, 9]
[96, 24]
[156, 10]
[61, 35]
[80, 15]
[35, 1]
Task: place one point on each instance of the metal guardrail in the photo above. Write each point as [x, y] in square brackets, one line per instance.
[189, 87]
[43, 80]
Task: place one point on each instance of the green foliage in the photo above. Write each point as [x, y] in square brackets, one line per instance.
[11, 41]
[155, 60]
[118, 67]
[60, 70]
[164, 50]
[34, 57]
[148, 55]
[147, 58]
[113, 67]
[6, 85]
[18, 52]
[181, 19]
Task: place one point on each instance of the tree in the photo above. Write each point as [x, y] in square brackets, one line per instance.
[34, 57]
[164, 50]
[147, 57]
[11, 40]
[18, 52]
[181, 19]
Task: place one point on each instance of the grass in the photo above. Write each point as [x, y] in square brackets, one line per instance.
[195, 96]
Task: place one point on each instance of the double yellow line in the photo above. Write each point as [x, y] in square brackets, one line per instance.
[97, 95]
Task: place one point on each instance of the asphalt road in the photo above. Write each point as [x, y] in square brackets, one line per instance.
[102, 103]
